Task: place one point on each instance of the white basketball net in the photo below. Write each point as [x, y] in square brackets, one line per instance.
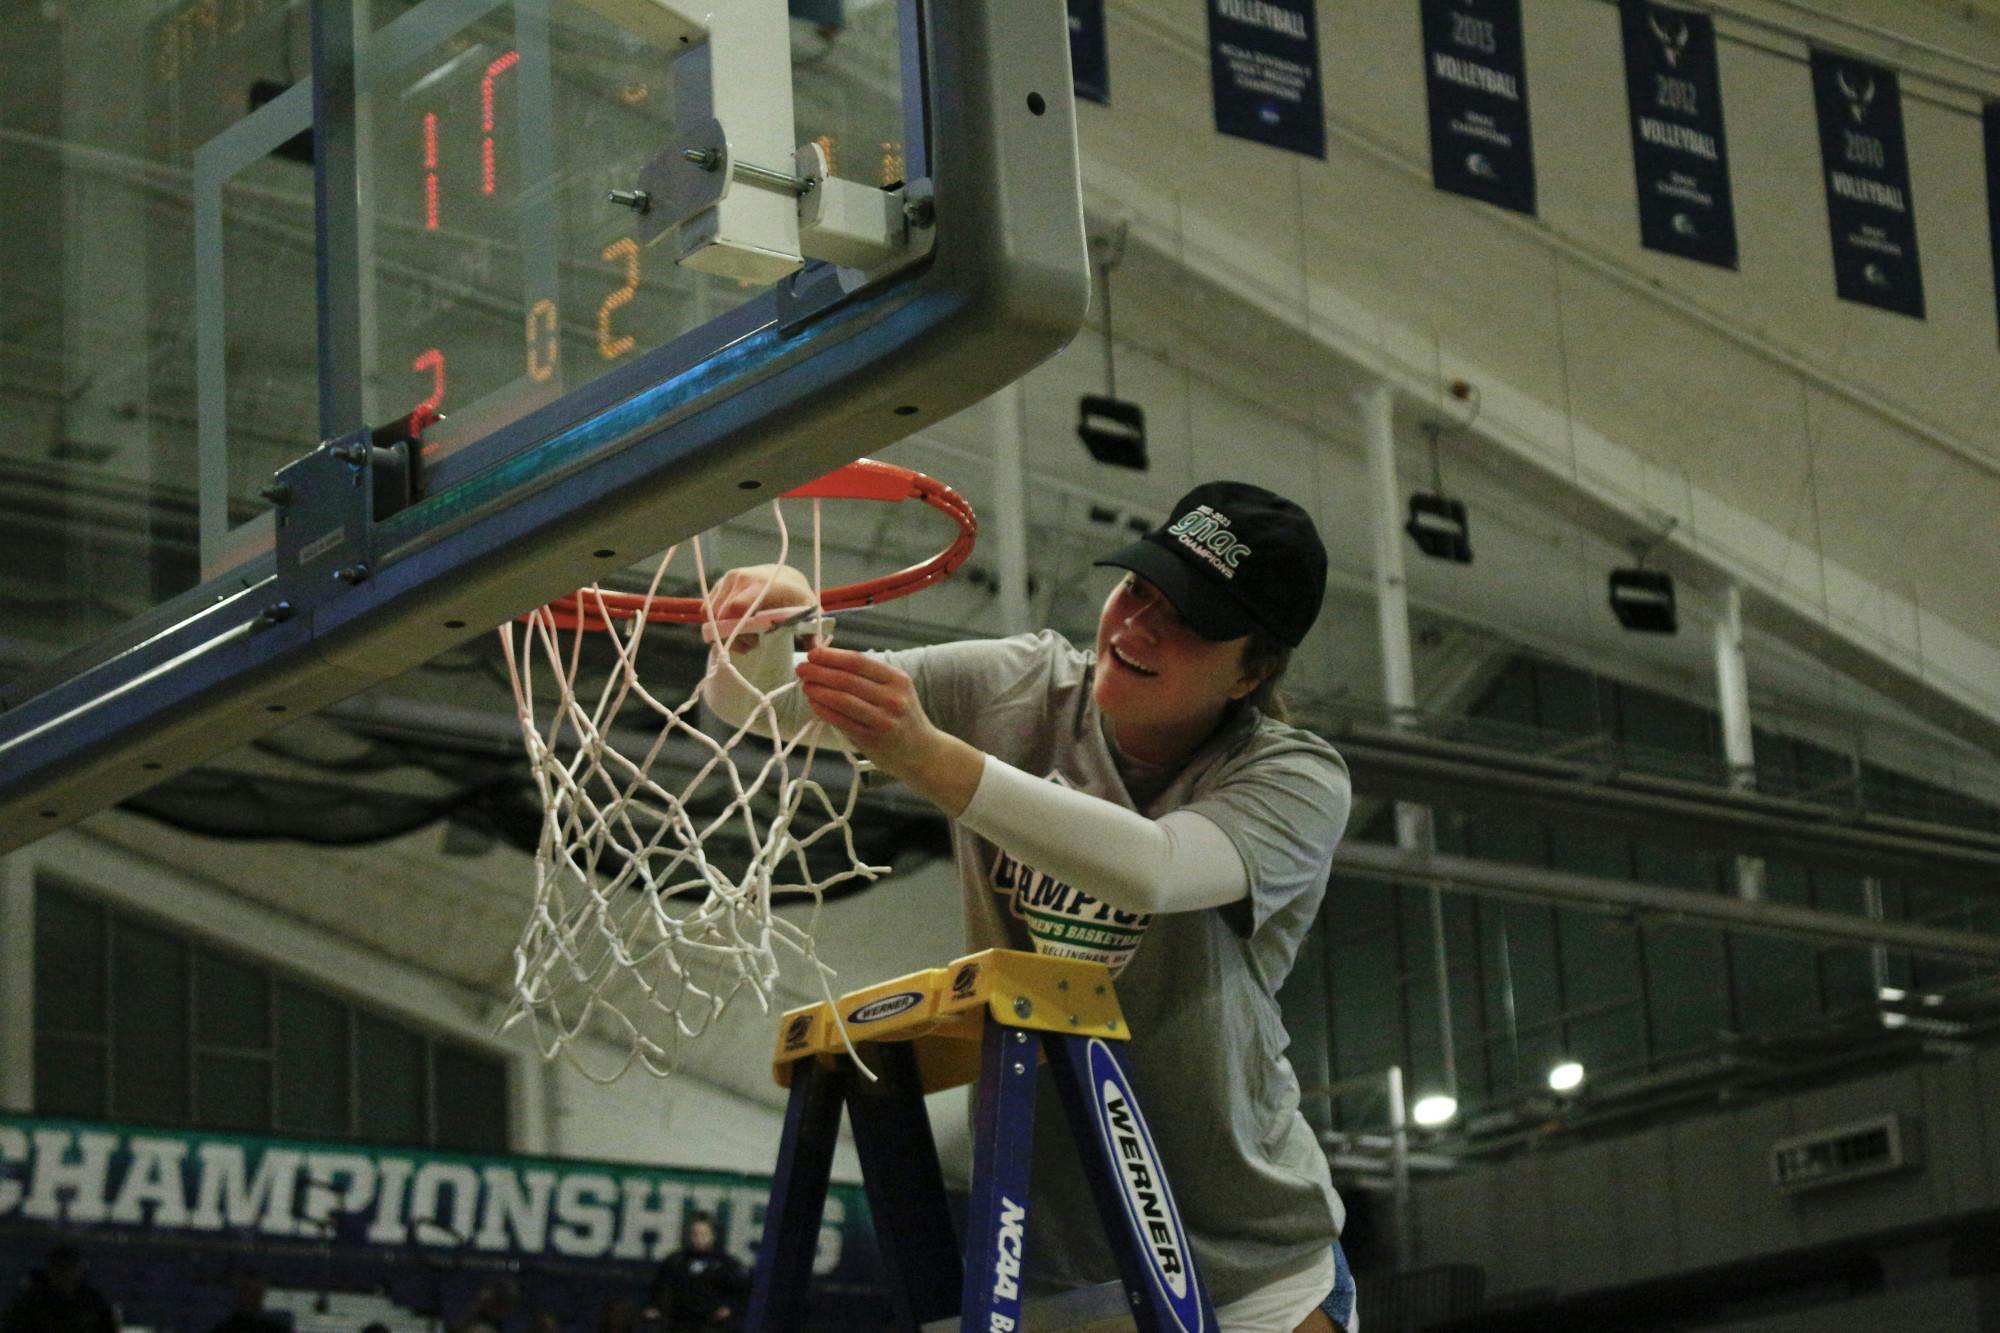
[663, 848]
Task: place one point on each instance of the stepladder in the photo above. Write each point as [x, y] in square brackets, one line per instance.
[992, 1020]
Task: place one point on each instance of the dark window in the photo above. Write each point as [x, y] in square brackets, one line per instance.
[394, 1084]
[313, 1076]
[149, 1024]
[1531, 984]
[471, 1100]
[136, 1022]
[71, 1013]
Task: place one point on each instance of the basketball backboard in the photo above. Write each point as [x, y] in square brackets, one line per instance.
[642, 283]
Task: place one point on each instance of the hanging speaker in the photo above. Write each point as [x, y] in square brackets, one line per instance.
[1113, 430]
[1643, 601]
[1440, 528]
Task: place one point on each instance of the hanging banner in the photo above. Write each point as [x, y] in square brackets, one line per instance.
[1868, 206]
[1993, 192]
[162, 1184]
[1264, 73]
[1477, 80]
[1089, 60]
[1679, 154]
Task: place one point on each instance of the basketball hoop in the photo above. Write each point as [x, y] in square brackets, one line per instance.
[653, 901]
[863, 479]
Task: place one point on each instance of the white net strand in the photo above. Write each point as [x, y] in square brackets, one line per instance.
[652, 914]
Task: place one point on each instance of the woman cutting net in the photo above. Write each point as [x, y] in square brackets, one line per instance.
[1139, 803]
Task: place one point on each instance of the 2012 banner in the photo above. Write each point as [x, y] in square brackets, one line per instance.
[1264, 73]
[1674, 92]
[1867, 167]
[1476, 77]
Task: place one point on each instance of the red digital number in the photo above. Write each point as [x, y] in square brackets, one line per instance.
[489, 170]
[430, 171]
[493, 71]
[432, 360]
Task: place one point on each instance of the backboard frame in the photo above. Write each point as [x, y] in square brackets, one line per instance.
[803, 378]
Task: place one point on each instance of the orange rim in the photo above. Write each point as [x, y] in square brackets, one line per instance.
[863, 479]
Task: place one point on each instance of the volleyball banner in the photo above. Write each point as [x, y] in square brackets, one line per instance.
[1868, 206]
[1679, 155]
[1475, 73]
[1264, 73]
[1089, 59]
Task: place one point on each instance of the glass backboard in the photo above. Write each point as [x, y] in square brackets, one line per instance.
[550, 234]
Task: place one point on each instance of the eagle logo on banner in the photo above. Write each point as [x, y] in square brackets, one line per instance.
[1672, 44]
[1858, 103]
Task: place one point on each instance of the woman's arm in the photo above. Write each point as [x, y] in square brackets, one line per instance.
[1178, 863]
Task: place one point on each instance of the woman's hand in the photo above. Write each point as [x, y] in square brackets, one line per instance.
[875, 706]
[753, 589]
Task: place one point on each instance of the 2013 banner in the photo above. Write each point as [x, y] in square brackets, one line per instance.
[1264, 73]
[1089, 61]
[1674, 92]
[1868, 205]
[1476, 77]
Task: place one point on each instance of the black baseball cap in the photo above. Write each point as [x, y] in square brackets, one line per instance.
[1234, 558]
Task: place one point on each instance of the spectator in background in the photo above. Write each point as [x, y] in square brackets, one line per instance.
[699, 1286]
[490, 1310]
[618, 1314]
[57, 1299]
[247, 1314]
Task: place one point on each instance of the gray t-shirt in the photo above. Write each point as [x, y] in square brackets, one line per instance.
[1199, 989]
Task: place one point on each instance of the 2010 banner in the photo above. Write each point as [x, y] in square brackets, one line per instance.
[1674, 92]
[1867, 167]
[1264, 73]
[1476, 77]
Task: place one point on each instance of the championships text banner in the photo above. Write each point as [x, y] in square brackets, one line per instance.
[76, 1175]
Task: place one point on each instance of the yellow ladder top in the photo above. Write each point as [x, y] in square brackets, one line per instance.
[944, 1011]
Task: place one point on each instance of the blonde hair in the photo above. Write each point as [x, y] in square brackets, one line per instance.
[1264, 652]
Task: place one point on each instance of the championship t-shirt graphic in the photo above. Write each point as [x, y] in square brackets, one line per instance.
[1064, 921]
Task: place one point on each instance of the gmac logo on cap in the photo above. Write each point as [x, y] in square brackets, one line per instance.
[1234, 558]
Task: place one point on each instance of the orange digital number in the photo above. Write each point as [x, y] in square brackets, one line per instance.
[608, 347]
[543, 349]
